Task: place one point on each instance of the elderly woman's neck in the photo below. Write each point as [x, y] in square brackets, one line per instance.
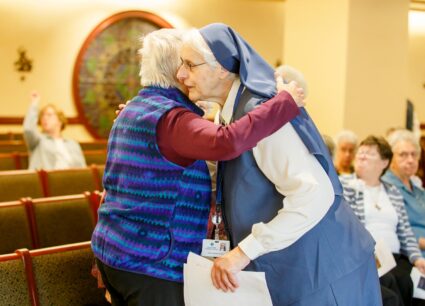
[405, 179]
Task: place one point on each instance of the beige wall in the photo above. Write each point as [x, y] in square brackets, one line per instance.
[316, 43]
[416, 62]
[53, 32]
[358, 60]
[354, 56]
[376, 91]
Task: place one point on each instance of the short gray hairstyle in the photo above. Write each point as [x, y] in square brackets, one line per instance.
[403, 135]
[161, 58]
[346, 136]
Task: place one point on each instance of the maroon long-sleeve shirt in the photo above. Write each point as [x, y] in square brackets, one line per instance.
[184, 137]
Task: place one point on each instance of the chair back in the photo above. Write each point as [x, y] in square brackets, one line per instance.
[20, 183]
[100, 144]
[7, 161]
[69, 181]
[15, 229]
[62, 276]
[97, 157]
[9, 146]
[13, 281]
[62, 220]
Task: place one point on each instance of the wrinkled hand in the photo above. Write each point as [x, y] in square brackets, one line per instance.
[292, 88]
[420, 264]
[120, 108]
[209, 108]
[225, 268]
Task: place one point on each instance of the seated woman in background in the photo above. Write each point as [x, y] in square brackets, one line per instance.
[380, 208]
[48, 149]
[346, 145]
[404, 166]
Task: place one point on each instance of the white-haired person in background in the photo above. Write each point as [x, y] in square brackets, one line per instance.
[404, 166]
[346, 146]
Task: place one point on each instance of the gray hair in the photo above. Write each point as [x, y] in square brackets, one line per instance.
[289, 74]
[193, 39]
[403, 135]
[160, 58]
[346, 136]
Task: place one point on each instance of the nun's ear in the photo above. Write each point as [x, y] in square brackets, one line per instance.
[224, 73]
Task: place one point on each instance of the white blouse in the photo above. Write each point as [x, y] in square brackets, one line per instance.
[308, 191]
[381, 217]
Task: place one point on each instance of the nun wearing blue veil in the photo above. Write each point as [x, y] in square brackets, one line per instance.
[283, 204]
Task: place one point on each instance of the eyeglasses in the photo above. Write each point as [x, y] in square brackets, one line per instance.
[368, 153]
[405, 155]
[188, 65]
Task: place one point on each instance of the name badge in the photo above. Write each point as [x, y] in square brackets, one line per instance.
[215, 248]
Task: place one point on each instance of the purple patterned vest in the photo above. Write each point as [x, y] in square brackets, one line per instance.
[155, 211]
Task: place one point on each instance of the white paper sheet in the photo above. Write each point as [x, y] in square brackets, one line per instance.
[384, 256]
[199, 290]
[418, 283]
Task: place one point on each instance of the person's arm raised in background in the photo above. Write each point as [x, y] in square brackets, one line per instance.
[31, 133]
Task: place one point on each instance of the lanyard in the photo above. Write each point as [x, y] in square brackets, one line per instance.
[217, 217]
[220, 164]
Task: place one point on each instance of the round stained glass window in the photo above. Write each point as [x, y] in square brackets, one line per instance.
[107, 69]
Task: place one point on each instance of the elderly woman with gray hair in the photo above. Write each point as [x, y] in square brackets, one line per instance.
[157, 183]
[346, 146]
[404, 166]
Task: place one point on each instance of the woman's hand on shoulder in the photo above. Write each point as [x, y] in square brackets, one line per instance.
[292, 88]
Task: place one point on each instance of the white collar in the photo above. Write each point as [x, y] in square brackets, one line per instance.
[227, 111]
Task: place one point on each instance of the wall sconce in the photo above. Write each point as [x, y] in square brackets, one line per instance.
[23, 64]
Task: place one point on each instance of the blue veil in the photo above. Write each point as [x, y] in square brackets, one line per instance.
[237, 56]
